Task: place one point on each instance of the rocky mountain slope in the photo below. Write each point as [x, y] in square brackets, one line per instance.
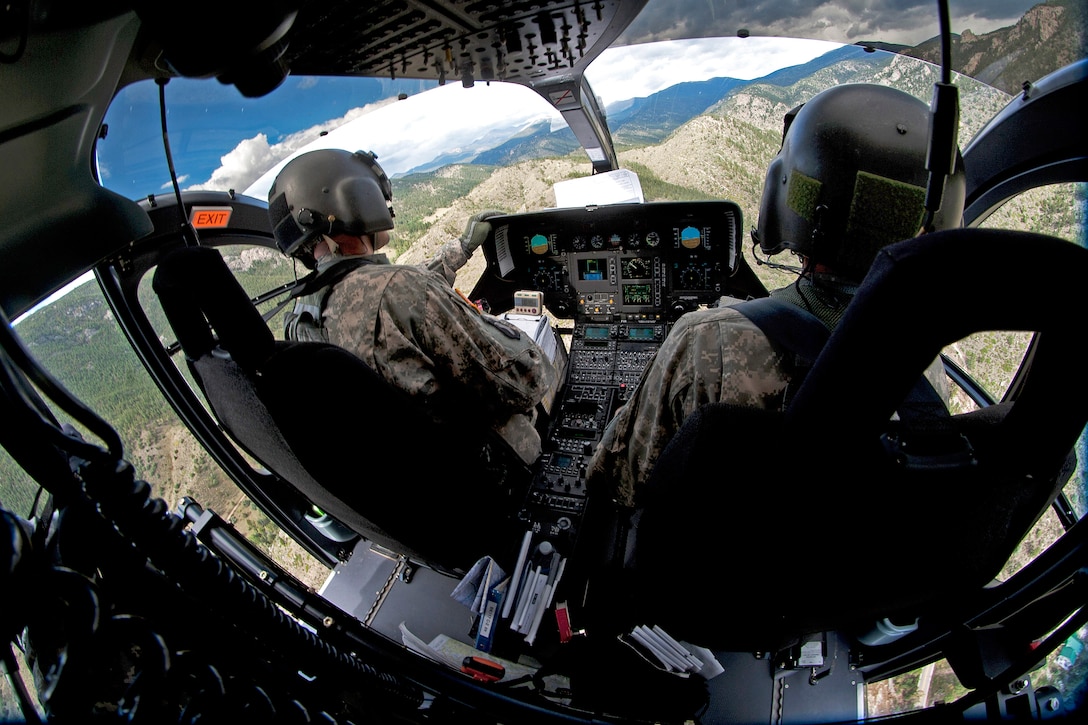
[1049, 36]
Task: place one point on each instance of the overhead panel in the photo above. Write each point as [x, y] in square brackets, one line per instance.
[454, 41]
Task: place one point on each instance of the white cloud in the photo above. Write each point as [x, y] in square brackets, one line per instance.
[247, 161]
[408, 133]
[637, 71]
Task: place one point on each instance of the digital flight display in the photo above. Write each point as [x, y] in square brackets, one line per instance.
[640, 333]
[563, 460]
[637, 294]
[597, 333]
[591, 270]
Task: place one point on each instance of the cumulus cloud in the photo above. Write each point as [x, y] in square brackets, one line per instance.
[414, 131]
[244, 164]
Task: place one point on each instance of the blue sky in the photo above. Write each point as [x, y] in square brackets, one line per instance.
[221, 140]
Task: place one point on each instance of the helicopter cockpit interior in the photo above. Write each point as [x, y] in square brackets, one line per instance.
[788, 564]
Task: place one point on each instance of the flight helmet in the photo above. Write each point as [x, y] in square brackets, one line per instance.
[328, 192]
[851, 178]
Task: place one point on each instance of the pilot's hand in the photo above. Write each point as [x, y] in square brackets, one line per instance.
[477, 230]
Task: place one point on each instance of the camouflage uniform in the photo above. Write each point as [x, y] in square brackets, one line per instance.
[710, 355]
[417, 332]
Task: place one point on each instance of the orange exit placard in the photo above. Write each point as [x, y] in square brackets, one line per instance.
[210, 217]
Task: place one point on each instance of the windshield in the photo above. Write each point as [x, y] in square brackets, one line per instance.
[221, 140]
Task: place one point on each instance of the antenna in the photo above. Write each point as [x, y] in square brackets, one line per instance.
[188, 231]
[944, 123]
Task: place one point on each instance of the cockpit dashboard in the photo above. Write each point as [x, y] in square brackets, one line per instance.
[631, 264]
[618, 277]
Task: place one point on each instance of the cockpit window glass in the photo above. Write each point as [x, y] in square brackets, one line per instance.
[222, 141]
[76, 339]
[993, 358]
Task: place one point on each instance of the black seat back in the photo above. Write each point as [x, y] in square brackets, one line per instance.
[831, 514]
[358, 448]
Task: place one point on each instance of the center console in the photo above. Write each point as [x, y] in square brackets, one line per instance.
[621, 275]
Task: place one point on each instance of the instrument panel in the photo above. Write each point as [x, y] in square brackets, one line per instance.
[623, 273]
[620, 262]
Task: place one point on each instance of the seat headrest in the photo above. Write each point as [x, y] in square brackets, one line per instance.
[925, 293]
[196, 289]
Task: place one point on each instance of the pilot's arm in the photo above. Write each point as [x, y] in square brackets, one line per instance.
[455, 253]
[491, 365]
[503, 368]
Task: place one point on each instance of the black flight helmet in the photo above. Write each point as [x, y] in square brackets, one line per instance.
[851, 178]
[328, 191]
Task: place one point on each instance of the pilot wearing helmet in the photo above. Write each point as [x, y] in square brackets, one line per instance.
[849, 179]
[333, 210]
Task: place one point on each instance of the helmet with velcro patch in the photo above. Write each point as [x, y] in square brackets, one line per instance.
[850, 178]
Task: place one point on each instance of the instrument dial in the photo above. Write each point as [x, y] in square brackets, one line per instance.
[636, 268]
[692, 278]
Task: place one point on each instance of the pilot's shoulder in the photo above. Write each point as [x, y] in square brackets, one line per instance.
[723, 316]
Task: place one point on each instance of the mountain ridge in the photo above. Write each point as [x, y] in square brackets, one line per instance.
[1049, 36]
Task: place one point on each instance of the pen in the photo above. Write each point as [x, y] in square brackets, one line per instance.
[555, 581]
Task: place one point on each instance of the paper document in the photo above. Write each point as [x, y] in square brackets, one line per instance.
[537, 327]
[452, 652]
[610, 187]
[473, 589]
[672, 655]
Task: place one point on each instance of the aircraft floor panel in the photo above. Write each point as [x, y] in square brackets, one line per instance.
[383, 590]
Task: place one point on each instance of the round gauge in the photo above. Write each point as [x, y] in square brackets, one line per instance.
[578, 243]
[633, 240]
[690, 237]
[652, 239]
[539, 244]
[542, 280]
[596, 241]
[636, 268]
[691, 279]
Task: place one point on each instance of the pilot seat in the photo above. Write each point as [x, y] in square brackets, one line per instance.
[359, 449]
[760, 527]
